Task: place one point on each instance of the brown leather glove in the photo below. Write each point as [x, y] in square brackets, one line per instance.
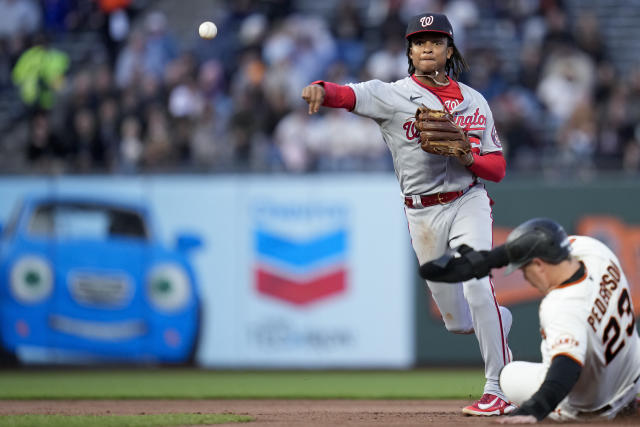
[439, 134]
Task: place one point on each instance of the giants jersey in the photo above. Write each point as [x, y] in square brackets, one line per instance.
[393, 107]
[591, 320]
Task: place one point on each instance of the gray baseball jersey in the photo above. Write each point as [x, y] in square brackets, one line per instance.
[464, 307]
[393, 106]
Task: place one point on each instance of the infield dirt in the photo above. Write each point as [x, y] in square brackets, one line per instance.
[283, 413]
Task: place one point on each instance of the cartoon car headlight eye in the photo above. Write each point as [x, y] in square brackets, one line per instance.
[168, 287]
[31, 279]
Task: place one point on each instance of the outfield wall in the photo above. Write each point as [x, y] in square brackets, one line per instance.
[306, 272]
[317, 271]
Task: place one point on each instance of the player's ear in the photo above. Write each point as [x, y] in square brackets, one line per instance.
[449, 51]
[410, 49]
[535, 262]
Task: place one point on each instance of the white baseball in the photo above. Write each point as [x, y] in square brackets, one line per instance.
[208, 30]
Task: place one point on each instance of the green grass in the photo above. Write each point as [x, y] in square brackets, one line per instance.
[205, 384]
[151, 420]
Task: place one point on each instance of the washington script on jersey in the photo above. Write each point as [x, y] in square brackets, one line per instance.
[475, 121]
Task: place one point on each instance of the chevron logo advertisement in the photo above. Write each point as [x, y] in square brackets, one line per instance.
[300, 252]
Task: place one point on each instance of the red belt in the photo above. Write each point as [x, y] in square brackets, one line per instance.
[434, 199]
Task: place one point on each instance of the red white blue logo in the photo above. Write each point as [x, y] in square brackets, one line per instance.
[300, 253]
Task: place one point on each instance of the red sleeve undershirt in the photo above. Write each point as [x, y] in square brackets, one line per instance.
[337, 96]
[490, 166]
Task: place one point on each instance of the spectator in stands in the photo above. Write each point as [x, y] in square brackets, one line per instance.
[55, 13]
[632, 104]
[529, 67]
[576, 142]
[186, 101]
[517, 113]
[209, 146]
[103, 84]
[80, 96]
[40, 73]
[387, 64]
[614, 127]
[87, 148]
[211, 80]
[294, 141]
[19, 17]
[589, 38]
[160, 45]
[117, 25]
[558, 34]
[486, 76]
[159, 150]
[631, 159]
[45, 151]
[108, 132]
[567, 80]
[109, 6]
[130, 147]
[463, 15]
[345, 142]
[348, 30]
[130, 63]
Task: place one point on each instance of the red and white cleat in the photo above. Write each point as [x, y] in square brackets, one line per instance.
[489, 405]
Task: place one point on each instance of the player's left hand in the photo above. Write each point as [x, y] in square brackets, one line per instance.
[466, 159]
[439, 134]
[517, 419]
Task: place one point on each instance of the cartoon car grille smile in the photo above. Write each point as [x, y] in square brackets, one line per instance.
[118, 331]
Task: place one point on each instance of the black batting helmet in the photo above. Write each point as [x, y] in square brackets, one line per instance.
[537, 238]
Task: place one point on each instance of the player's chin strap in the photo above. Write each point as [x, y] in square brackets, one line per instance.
[433, 77]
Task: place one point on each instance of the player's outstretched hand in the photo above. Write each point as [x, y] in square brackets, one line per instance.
[517, 419]
[314, 95]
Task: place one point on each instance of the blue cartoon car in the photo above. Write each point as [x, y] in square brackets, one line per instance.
[86, 281]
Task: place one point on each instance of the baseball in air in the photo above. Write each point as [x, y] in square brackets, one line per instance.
[208, 30]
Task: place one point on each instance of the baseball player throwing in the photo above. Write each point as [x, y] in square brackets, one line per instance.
[442, 138]
[590, 347]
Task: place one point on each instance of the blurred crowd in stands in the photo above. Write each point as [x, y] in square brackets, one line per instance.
[142, 93]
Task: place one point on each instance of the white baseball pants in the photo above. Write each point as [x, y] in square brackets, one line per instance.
[520, 380]
[469, 306]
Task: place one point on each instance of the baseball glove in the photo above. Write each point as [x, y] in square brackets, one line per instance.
[439, 134]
